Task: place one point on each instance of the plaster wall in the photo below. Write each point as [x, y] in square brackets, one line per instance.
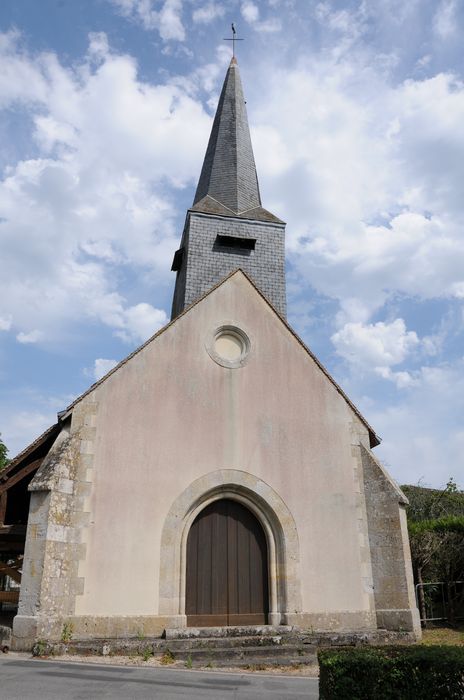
[172, 415]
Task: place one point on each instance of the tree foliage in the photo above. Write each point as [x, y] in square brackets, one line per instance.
[3, 454]
[436, 529]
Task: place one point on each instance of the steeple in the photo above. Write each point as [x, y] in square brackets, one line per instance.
[229, 172]
[227, 227]
[228, 181]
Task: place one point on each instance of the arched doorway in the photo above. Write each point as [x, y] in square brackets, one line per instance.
[227, 567]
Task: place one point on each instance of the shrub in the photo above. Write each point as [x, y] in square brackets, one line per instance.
[67, 632]
[392, 673]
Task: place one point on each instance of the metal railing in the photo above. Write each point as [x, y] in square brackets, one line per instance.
[437, 603]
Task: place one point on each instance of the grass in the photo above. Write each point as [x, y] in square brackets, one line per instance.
[147, 653]
[443, 635]
[167, 658]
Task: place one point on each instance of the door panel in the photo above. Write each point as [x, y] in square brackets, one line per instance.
[227, 578]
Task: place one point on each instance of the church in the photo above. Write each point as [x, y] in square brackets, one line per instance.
[218, 476]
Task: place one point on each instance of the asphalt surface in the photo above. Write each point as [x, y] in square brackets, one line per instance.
[33, 679]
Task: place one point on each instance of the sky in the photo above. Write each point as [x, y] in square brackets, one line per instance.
[356, 111]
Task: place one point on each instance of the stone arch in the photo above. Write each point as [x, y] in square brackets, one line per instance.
[275, 518]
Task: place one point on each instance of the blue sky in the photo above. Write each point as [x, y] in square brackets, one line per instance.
[357, 118]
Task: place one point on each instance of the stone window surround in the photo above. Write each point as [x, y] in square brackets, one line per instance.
[232, 329]
[278, 525]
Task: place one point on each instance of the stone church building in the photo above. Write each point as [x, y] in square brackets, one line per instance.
[218, 476]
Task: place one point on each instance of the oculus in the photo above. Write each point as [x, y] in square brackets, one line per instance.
[229, 346]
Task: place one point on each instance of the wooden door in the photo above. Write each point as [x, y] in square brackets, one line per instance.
[227, 578]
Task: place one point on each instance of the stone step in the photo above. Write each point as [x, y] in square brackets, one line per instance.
[201, 651]
[235, 631]
[161, 646]
[239, 656]
[223, 642]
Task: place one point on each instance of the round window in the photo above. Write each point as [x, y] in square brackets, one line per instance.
[229, 346]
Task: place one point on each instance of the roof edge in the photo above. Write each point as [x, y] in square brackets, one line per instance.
[32, 446]
[374, 440]
[235, 217]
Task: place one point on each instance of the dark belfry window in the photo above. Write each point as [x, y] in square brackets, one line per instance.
[236, 242]
[177, 262]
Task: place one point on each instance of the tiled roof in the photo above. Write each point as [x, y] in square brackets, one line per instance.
[228, 177]
[208, 205]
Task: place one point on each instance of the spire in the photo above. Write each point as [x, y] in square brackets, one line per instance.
[229, 174]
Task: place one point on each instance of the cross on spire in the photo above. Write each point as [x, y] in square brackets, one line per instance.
[233, 39]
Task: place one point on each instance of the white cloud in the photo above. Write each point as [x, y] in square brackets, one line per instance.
[19, 426]
[170, 23]
[368, 177]
[5, 324]
[422, 432]
[139, 322]
[375, 346]
[445, 21]
[111, 152]
[251, 15]
[207, 13]
[402, 380]
[22, 427]
[102, 366]
[250, 11]
[33, 336]
[167, 21]
[98, 45]
[269, 26]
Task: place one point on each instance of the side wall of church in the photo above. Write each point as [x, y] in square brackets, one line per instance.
[390, 553]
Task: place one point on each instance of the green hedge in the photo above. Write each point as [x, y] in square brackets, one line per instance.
[392, 673]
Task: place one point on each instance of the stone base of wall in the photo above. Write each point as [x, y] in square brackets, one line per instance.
[339, 621]
[399, 620]
[25, 632]
[28, 629]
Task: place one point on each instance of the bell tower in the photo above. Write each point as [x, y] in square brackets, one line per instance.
[227, 228]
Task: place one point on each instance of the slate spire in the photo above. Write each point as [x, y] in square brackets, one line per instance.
[229, 174]
[226, 227]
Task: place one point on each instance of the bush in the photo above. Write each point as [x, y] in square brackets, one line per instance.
[392, 673]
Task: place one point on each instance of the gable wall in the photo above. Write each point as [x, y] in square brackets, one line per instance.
[171, 415]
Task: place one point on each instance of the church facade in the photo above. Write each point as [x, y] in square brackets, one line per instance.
[218, 476]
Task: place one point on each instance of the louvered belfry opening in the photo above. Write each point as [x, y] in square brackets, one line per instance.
[227, 568]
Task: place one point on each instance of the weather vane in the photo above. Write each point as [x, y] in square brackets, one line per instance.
[233, 39]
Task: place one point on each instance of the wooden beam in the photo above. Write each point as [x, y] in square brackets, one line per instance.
[18, 529]
[3, 497]
[25, 471]
[14, 547]
[9, 571]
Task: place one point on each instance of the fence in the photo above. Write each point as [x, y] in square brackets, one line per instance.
[444, 600]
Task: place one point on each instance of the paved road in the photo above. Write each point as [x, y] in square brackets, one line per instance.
[31, 679]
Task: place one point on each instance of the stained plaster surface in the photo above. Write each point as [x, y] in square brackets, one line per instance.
[172, 415]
